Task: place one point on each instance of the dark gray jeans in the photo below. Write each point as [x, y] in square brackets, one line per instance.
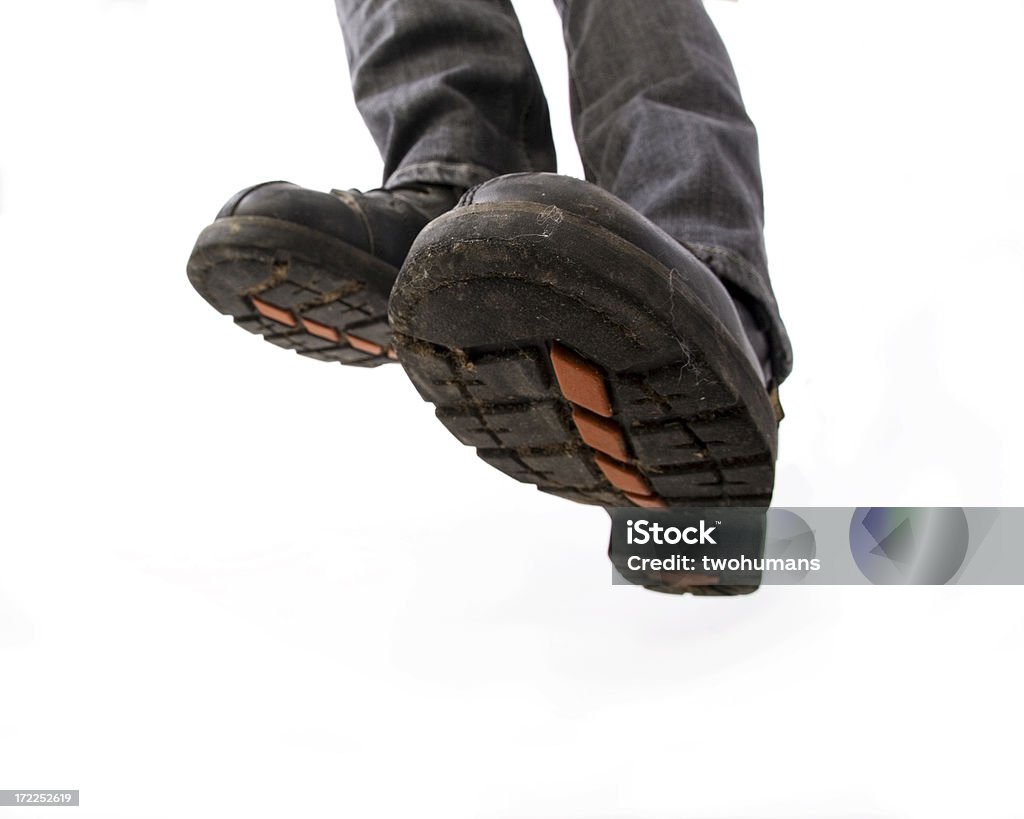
[450, 94]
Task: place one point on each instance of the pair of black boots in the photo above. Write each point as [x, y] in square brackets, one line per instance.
[572, 342]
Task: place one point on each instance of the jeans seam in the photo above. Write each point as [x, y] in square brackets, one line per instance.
[522, 130]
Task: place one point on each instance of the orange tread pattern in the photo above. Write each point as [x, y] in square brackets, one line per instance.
[315, 328]
[273, 313]
[580, 381]
[363, 345]
[622, 476]
[602, 434]
[646, 501]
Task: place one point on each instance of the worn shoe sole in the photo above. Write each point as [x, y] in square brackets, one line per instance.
[298, 288]
[575, 361]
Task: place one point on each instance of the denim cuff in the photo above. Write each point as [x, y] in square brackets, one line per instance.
[746, 284]
[456, 174]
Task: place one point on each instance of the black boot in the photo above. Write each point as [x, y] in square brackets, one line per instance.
[312, 271]
[580, 348]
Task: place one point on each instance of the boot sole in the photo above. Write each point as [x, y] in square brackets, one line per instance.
[572, 360]
[300, 289]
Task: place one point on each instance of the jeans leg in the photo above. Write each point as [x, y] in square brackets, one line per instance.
[447, 89]
[660, 123]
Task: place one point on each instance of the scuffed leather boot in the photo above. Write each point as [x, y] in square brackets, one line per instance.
[580, 348]
[312, 271]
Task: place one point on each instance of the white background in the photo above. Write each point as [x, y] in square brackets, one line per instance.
[236, 582]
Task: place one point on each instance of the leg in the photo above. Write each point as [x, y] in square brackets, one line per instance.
[447, 89]
[600, 341]
[660, 123]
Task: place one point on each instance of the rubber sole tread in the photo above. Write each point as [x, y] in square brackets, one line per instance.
[572, 360]
[509, 405]
[299, 289]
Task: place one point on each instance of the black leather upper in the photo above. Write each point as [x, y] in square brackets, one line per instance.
[583, 199]
[381, 222]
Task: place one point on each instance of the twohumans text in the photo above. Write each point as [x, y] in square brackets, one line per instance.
[643, 532]
[716, 565]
